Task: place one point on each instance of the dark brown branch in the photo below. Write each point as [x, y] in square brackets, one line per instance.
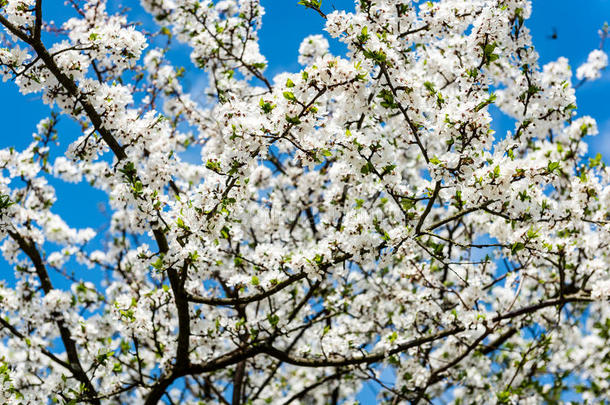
[455, 216]
[413, 31]
[376, 357]
[315, 385]
[248, 299]
[364, 359]
[238, 379]
[38, 22]
[495, 345]
[437, 374]
[182, 363]
[384, 71]
[31, 251]
[44, 351]
[69, 85]
[422, 219]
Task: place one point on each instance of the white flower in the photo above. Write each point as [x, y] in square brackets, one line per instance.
[591, 69]
[601, 290]
[312, 48]
[57, 301]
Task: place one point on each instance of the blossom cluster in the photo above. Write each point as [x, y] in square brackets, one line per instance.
[302, 235]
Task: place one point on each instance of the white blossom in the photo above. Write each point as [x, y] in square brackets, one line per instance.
[591, 69]
[296, 236]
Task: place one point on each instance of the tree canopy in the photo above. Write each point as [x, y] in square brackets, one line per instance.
[357, 221]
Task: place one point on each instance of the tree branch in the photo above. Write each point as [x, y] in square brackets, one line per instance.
[75, 365]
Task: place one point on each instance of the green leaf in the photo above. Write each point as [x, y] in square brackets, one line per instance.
[552, 166]
[101, 358]
[594, 162]
[388, 169]
[388, 99]
[181, 224]
[288, 95]
[315, 4]
[532, 234]
[289, 83]
[584, 129]
[516, 247]
[213, 165]
[488, 54]
[266, 106]
[377, 56]
[496, 173]
[430, 87]
[364, 36]
[273, 319]
[293, 120]
[367, 168]
[490, 100]
[570, 106]
[158, 264]
[5, 202]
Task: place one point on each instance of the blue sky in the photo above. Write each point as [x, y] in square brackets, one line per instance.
[284, 27]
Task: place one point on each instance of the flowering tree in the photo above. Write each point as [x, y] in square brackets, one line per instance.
[353, 219]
